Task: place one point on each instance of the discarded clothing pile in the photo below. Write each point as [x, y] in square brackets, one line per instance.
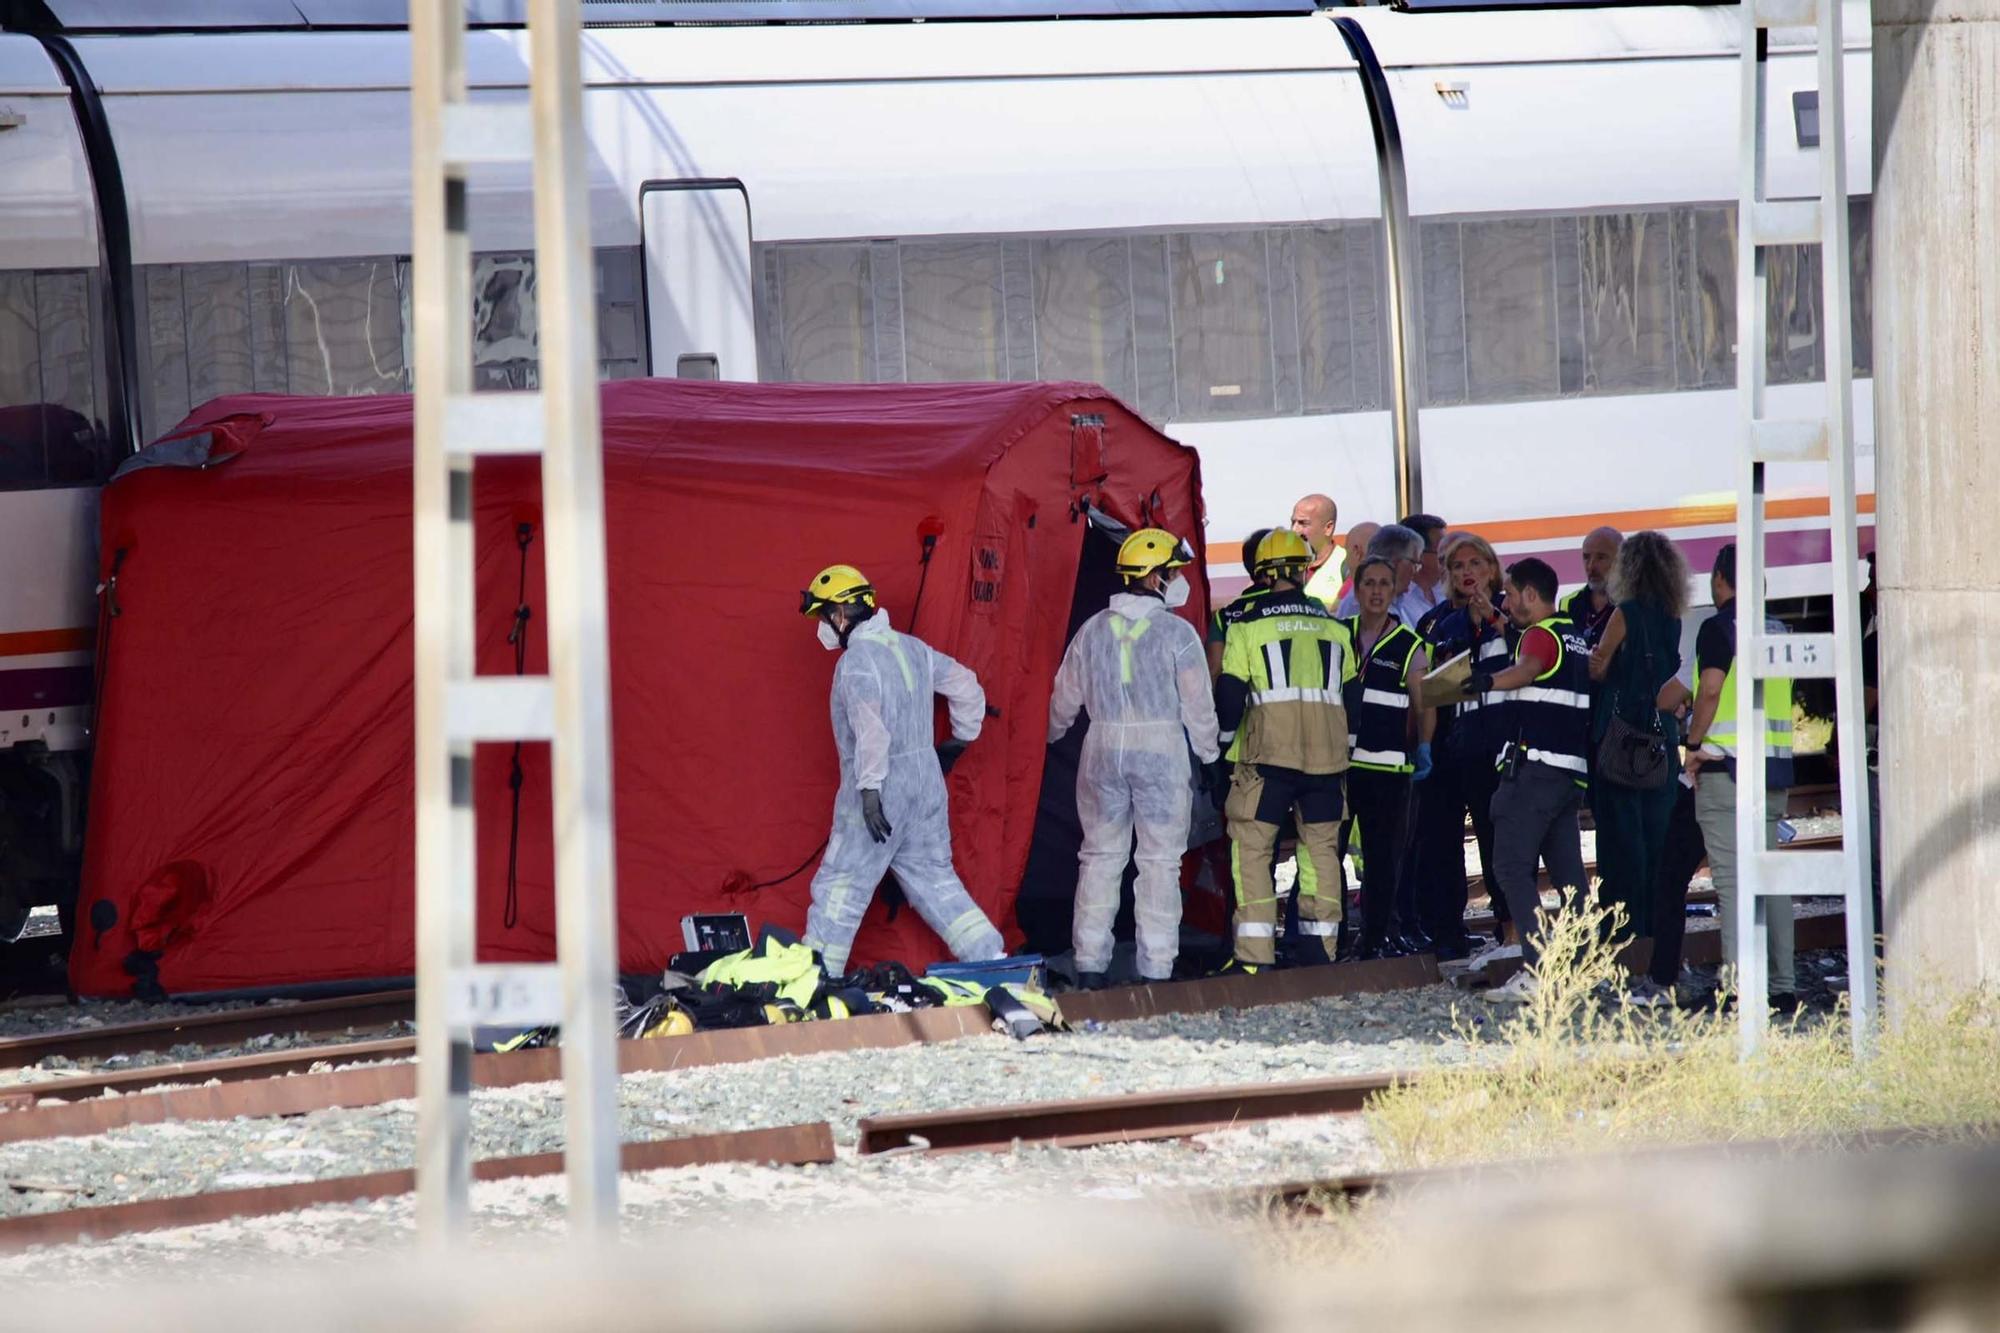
[780, 980]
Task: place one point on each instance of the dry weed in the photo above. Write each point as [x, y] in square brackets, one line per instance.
[1576, 1071]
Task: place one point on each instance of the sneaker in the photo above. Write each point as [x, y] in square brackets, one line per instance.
[1646, 993]
[1493, 953]
[1517, 989]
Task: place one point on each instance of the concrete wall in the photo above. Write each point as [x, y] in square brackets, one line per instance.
[1937, 407]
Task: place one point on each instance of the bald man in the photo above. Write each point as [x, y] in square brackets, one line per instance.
[1356, 543]
[1314, 518]
[1590, 606]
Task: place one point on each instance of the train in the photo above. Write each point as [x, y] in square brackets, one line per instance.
[1181, 200]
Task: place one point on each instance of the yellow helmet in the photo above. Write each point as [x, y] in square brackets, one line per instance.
[1280, 547]
[836, 585]
[1150, 549]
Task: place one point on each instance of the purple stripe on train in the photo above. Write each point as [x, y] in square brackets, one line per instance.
[44, 687]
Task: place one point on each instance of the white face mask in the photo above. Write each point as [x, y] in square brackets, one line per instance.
[1175, 594]
[828, 638]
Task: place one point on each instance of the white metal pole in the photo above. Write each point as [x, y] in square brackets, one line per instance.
[1751, 943]
[573, 499]
[1849, 713]
[440, 300]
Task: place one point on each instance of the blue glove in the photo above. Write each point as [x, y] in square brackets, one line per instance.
[1423, 769]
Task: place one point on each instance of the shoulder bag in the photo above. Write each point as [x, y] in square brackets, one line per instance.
[1630, 755]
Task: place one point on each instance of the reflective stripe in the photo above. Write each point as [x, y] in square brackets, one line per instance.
[968, 925]
[1568, 763]
[1125, 642]
[1295, 695]
[1274, 664]
[1540, 694]
[1257, 930]
[1383, 758]
[895, 643]
[1321, 928]
[1494, 647]
[1385, 698]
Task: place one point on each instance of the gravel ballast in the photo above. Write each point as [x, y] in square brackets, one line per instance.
[1324, 1038]
[1318, 1039]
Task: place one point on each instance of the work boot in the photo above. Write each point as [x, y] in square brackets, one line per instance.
[1378, 946]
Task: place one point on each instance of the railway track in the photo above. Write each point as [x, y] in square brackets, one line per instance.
[1075, 1124]
[787, 1145]
[1132, 1118]
[359, 1014]
[212, 1027]
[270, 1084]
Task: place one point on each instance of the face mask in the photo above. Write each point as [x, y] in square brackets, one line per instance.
[829, 639]
[1175, 594]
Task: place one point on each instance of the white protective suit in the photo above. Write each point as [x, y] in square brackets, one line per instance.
[882, 714]
[1143, 674]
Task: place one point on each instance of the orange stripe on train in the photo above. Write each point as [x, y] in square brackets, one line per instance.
[1577, 525]
[27, 643]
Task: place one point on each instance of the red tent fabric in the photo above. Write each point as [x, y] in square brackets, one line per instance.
[252, 822]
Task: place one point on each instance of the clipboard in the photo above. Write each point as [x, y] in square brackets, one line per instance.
[1445, 684]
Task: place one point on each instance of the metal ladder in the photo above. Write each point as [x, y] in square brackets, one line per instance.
[456, 708]
[1762, 223]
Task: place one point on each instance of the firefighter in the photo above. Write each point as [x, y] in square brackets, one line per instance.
[1279, 705]
[890, 813]
[1141, 673]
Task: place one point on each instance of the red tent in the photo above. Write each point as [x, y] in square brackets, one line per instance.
[251, 804]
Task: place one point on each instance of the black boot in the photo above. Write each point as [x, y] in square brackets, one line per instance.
[1092, 981]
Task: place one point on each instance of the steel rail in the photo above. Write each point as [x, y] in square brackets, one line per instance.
[268, 1084]
[210, 1027]
[1133, 1118]
[788, 1145]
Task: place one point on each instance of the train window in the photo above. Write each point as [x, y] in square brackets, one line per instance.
[954, 313]
[1625, 282]
[52, 428]
[1153, 329]
[1794, 347]
[1860, 238]
[505, 342]
[1510, 308]
[823, 308]
[505, 352]
[344, 326]
[319, 327]
[1441, 306]
[1704, 297]
[1337, 277]
[341, 326]
[1083, 312]
[621, 350]
[1222, 324]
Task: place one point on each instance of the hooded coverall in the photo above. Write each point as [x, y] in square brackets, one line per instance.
[1142, 673]
[882, 727]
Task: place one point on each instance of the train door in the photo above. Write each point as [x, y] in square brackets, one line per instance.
[696, 240]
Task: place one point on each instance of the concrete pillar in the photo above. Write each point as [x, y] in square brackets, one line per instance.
[1937, 404]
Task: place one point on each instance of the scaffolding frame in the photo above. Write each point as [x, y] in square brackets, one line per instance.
[1762, 223]
[456, 707]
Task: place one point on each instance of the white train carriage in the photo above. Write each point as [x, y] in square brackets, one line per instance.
[213, 198]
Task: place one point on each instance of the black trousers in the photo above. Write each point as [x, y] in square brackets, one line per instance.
[1534, 821]
[1435, 866]
[1680, 856]
[1380, 802]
